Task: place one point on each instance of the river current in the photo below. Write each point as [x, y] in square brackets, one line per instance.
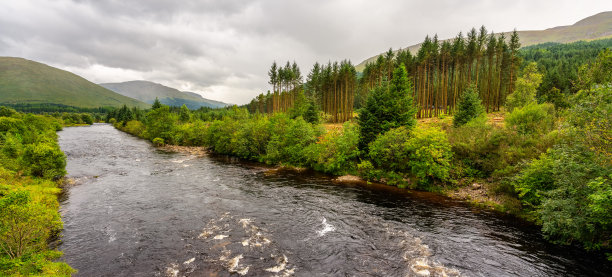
[134, 210]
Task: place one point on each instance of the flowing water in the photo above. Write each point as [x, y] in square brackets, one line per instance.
[138, 211]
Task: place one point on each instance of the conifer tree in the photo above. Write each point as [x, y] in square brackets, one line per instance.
[470, 106]
[388, 106]
[156, 104]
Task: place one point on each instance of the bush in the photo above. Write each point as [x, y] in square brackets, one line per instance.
[25, 225]
[160, 124]
[158, 142]
[251, 139]
[532, 119]
[336, 151]
[579, 205]
[526, 88]
[44, 160]
[389, 151]
[9, 124]
[289, 145]
[368, 171]
[134, 127]
[469, 107]
[219, 135]
[534, 180]
[7, 112]
[424, 153]
[183, 133]
[430, 154]
[198, 134]
[87, 118]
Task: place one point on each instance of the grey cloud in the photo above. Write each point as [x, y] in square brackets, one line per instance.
[224, 48]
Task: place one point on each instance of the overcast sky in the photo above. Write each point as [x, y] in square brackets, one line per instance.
[223, 49]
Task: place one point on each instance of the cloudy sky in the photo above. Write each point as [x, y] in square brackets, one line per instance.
[222, 49]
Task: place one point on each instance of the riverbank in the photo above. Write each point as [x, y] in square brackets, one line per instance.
[32, 167]
[477, 194]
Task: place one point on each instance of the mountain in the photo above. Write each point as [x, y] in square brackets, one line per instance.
[594, 27]
[147, 92]
[28, 82]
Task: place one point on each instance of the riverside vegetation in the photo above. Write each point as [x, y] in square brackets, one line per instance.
[550, 162]
[31, 170]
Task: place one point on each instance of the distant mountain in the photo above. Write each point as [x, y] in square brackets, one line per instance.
[28, 82]
[594, 27]
[147, 92]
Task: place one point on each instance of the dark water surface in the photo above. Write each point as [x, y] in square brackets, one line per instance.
[138, 211]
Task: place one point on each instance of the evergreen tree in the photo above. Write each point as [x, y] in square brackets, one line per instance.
[184, 114]
[156, 104]
[470, 106]
[388, 106]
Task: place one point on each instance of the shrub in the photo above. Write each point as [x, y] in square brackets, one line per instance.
[290, 146]
[534, 180]
[430, 154]
[579, 205]
[526, 88]
[368, 171]
[134, 127]
[389, 151]
[198, 134]
[424, 153]
[469, 107]
[183, 133]
[160, 124]
[251, 139]
[336, 151]
[7, 112]
[25, 225]
[479, 147]
[9, 124]
[158, 142]
[532, 119]
[87, 118]
[44, 160]
[219, 135]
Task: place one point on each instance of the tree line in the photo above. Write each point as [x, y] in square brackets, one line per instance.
[330, 87]
[442, 70]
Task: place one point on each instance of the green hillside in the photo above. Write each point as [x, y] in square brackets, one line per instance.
[594, 27]
[147, 92]
[27, 82]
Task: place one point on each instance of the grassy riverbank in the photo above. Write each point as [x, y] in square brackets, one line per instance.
[32, 167]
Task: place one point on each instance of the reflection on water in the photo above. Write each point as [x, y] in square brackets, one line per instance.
[137, 211]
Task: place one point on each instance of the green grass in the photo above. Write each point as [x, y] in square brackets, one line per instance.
[27, 82]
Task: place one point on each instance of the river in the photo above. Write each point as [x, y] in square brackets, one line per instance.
[138, 211]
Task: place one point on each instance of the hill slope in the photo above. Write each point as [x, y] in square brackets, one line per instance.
[594, 27]
[147, 92]
[30, 82]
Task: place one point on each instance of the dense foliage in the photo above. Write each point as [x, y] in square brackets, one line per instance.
[568, 188]
[388, 106]
[547, 163]
[30, 162]
[560, 63]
